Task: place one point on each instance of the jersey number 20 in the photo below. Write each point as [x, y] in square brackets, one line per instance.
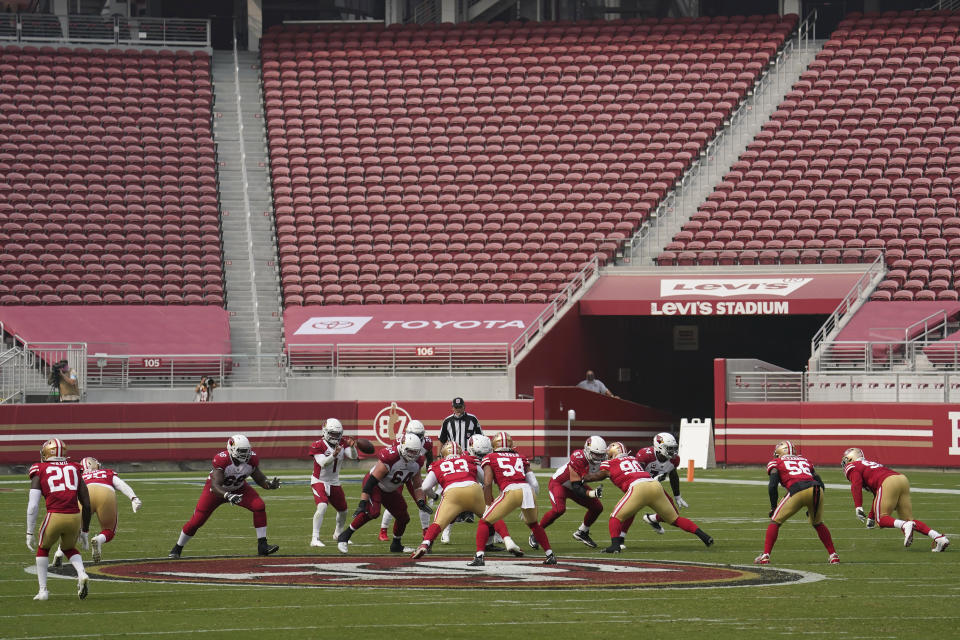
[61, 478]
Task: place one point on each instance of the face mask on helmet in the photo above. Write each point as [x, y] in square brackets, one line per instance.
[239, 448]
[416, 428]
[450, 449]
[784, 448]
[615, 450]
[850, 455]
[53, 449]
[665, 445]
[332, 431]
[479, 445]
[90, 464]
[595, 448]
[410, 447]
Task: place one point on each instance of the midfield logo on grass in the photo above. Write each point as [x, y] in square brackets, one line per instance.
[447, 573]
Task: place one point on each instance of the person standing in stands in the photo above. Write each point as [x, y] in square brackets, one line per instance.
[590, 383]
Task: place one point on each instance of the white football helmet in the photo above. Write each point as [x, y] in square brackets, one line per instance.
[332, 432]
[479, 445]
[665, 445]
[595, 448]
[90, 464]
[410, 447]
[239, 448]
[416, 428]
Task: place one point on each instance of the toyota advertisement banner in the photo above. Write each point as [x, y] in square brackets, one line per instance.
[409, 324]
[712, 294]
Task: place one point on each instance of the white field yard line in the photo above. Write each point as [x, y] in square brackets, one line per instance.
[354, 477]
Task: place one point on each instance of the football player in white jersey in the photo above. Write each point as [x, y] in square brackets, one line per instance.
[227, 482]
[415, 427]
[328, 454]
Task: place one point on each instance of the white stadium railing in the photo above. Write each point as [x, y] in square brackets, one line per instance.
[94, 29]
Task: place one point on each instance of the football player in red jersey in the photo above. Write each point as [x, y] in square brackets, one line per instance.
[661, 461]
[568, 483]
[415, 427]
[328, 454]
[227, 482]
[60, 483]
[396, 466]
[640, 490]
[804, 489]
[459, 474]
[518, 487]
[892, 493]
[102, 485]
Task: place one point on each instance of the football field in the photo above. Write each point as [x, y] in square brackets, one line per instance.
[879, 590]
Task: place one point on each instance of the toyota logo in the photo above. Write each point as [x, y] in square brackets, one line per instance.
[330, 325]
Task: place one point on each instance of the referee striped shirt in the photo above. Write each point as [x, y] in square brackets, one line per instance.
[459, 429]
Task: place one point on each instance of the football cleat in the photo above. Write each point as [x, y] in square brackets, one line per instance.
[396, 546]
[707, 540]
[96, 550]
[908, 532]
[476, 562]
[584, 537]
[550, 559]
[763, 558]
[940, 544]
[514, 549]
[343, 547]
[651, 519]
[493, 547]
[383, 537]
[175, 552]
[264, 549]
[834, 559]
[315, 542]
[613, 548]
[420, 552]
[445, 537]
[82, 586]
[532, 542]
[43, 594]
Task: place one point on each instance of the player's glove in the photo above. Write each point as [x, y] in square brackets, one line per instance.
[861, 516]
[770, 515]
[422, 505]
[362, 507]
[274, 484]
[233, 498]
[85, 540]
[31, 542]
[871, 523]
[661, 477]
[136, 503]
[681, 503]
[595, 493]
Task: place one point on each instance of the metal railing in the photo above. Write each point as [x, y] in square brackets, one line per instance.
[581, 282]
[850, 303]
[306, 360]
[38, 359]
[895, 386]
[182, 370]
[94, 29]
[707, 168]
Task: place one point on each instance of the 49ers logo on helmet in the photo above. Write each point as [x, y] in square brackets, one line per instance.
[449, 573]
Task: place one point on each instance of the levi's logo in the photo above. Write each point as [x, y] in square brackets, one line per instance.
[727, 287]
[339, 325]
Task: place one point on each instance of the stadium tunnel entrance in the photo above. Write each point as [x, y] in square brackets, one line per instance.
[667, 362]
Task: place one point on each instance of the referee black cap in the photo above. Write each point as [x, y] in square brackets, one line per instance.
[458, 403]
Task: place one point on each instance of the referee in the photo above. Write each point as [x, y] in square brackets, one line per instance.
[459, 426]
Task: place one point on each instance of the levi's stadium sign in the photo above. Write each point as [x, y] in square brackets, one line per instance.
[712, 294]
[420, 324]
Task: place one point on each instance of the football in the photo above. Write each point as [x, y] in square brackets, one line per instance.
[364, 445]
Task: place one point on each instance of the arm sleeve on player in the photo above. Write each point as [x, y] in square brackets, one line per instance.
[33, 507]
[429, 482]
[856, 488]
[351, 452]
[674, 482]
[324, 459]
[532, 481]
[772, 487]
[124, 488]
[370, 484]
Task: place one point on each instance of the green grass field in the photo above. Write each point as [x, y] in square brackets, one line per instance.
[880, 589]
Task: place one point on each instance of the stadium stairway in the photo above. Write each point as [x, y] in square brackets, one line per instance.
[699, 183]
[253, 296]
